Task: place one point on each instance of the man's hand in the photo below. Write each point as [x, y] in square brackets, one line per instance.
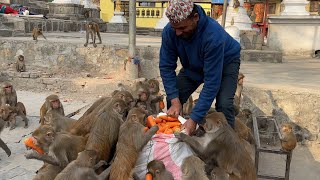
[175, 108]
[189, 126]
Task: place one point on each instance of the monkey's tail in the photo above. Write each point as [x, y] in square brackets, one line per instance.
[77, 111]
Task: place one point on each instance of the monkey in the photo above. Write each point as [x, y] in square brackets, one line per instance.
[9, 114]
[19, 110]
[85, 123]
[219, 174]
[125, 95]
[236, 4]
[187, 107]
[2, 144]
[245, 115]
[84, 173]
[8, 94]
[62, 147]
[20, 64]
[92, 28]
[288, 140]
[155, 97]
[37, 32]
[144, 106]
[139, 90]
[86, 158]
[58, 121]
[132, 139]
[193, 168]
[158, 170]
[48, 172]
[317, 53]
[243, 131]
[104, 132]
[52, 102]
[237, 96]
[220, 144]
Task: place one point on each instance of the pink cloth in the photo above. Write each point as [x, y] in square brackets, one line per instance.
[179, 10]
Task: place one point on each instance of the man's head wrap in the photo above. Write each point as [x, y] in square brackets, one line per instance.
[179, 10]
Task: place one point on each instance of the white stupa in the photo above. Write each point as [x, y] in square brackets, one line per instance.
[241, 18]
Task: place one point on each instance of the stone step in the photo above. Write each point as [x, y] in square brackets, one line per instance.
[261, 56]
[10, 25]
[6, 32]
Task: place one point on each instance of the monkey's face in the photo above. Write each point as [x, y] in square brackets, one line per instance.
[21, 58]
[90, 26]
[5, 111]
[286, 128]
[153, 86]
[55, 104]
[43, 137]
[212, 124]
[8, 88]
[119, 107]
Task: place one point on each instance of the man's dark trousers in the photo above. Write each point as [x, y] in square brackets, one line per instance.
[225, 96]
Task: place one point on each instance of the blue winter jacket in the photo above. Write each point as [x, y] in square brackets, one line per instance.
[202, 57]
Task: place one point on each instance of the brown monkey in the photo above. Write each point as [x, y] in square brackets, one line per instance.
[37, 32]
[19, 110]
[132, 139]
[84, 173]
[8, 94]
[9, 114]
[221, 144]
[158, 170]
[62, 147]
[86, 158]
[48, 172]
[193, 168]
[139, 90]
[20, 64]
[92, 28]
[220, 174]
[288, 140]
[125, 95]
[237, 96]
[58, 121]
[187, 107]
[52, 102]
[2, 144]
[104, 132]
[245, 116]
[84, 124]
[243, 131]
[155, 97]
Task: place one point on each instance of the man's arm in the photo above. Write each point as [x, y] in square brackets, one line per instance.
[213, 66]
[168, 65]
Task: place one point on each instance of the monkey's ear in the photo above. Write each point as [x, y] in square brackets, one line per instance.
[49, 134]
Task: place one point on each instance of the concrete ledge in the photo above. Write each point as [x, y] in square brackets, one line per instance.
[261, 56]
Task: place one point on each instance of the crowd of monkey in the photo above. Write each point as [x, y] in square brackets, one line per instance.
[106, 141]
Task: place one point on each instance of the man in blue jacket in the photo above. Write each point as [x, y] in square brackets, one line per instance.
[208, 55]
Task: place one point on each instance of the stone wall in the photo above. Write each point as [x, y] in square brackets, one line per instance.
[70, 58]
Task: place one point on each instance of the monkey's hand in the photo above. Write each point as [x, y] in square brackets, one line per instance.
[99, 164]
[31, 155]
[85, 44]
[180, 136]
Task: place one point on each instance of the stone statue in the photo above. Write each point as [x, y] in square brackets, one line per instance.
[118, 6]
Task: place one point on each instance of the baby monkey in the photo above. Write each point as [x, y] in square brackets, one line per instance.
[288, 140]
[37, 32]
[20, 65]
[158, 171]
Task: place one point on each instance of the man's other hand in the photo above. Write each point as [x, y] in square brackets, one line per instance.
[175, 108]
[189, 126]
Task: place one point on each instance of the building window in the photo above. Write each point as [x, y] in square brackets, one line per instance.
[147, 4]
[314, 7]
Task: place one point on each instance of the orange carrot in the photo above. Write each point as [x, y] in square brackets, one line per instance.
[161, 104]
[145, 129]
[158, 120]
[168, 131]
[173, 124]
[148, 176]
[30, 143]
[168, 118]
[150, 121]
[176, 129]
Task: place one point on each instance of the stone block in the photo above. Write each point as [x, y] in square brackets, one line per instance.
[65, 11]
[6, 32]
[34, 75]
[49, 25]
[24, 75]
[118, 27]
[261, 56]
[11, 73]
[50, 81]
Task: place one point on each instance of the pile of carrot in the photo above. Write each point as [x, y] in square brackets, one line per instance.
[167, 124]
